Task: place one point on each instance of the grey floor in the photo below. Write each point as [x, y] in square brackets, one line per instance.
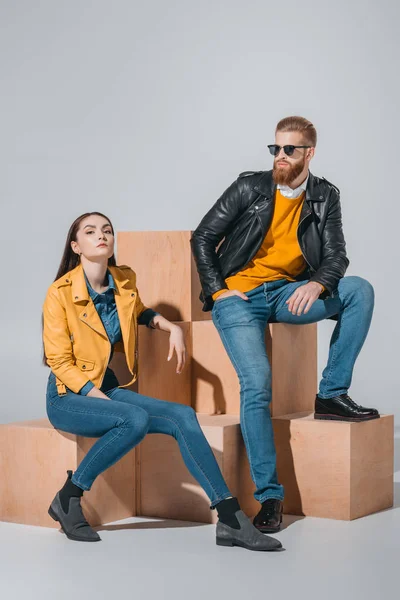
[149, 558]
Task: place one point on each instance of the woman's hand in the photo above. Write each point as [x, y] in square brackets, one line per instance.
[96, 393]
[177, 343]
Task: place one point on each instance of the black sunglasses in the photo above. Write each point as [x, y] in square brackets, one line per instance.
[288, 150]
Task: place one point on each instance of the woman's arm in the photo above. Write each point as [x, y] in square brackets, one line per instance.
[176, 340]
[57, 343]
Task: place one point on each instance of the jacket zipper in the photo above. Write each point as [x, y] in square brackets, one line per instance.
[298, 239]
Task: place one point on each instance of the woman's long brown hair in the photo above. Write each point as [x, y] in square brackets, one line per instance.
[70, 259]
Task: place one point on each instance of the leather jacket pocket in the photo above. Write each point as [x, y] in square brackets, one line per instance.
[85, 365]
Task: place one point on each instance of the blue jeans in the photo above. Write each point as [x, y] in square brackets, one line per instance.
[241, 325]
[122, 422]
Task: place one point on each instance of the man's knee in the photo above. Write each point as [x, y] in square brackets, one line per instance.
[358, 286]
[255, 379]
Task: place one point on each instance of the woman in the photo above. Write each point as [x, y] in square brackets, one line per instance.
[92, 308]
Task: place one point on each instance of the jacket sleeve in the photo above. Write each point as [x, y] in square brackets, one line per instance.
[144, 314]
[216, 224]
[334, 261]
[57, 343]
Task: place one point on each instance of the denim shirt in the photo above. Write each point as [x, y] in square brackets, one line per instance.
[107, 311]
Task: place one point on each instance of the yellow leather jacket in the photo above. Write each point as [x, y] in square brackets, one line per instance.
[76, 345]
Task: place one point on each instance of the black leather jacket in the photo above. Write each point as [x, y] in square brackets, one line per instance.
[242, 216]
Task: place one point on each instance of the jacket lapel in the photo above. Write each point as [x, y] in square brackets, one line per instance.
[125, 300]
[80, 297]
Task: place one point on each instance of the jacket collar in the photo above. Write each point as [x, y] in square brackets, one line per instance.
[79, 289]
[314, 192]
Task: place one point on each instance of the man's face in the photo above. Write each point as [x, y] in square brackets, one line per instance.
[287, 168]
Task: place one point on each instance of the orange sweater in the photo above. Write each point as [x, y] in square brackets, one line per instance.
[280, 256]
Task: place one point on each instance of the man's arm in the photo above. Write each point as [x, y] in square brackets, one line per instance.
[216, 224]
[334, 259]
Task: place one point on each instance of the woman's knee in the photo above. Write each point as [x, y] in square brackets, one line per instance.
[136, 419]
[183, 412]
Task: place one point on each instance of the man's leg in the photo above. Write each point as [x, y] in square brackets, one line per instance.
[241, 325]
[353, 302]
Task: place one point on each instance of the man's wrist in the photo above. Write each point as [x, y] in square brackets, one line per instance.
[322, 287]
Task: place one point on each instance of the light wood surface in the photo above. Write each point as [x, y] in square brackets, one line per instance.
[334, 469]
[167, 490]
[167, 278]
[292, 352]
[34, 459]
[157, 376]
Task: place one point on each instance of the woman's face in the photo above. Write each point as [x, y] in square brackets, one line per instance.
[94, 239]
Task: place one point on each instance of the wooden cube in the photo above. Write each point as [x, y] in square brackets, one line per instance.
[167, 277]
[34, 458]
[167, 490]
[157, 376]
[292, 351]
[335, 469]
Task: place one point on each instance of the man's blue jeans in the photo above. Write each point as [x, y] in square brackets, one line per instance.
[241, 325]
[122, 422]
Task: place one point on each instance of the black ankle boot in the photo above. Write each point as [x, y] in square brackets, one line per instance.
[66, 509]
[235, 529]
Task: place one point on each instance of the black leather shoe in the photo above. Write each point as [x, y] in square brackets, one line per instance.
[269, 519]
[342, 408]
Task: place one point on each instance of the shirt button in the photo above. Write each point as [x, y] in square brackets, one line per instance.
[83, 366]
[67, 281]
[76, 297]
[132, 295]
[84, 314]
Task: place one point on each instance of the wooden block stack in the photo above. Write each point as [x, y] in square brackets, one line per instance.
[323, 465]
[329, 469]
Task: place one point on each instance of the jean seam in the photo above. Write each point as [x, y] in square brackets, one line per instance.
[338, 393]
[188, 448]
[327, 378]
[271, 495]
[222, 334]
[86, 412]
[116, 436]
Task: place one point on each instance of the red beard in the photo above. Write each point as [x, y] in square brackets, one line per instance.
[285, 175]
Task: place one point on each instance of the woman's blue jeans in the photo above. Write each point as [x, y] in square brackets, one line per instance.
[241, 325]
[122, 422]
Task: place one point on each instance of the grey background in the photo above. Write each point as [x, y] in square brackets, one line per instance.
[147, 111]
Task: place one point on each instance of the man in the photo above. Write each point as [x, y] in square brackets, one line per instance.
[283, 260]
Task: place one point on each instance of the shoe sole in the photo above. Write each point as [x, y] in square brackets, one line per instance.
[70, 536]
[268, 529]
[231, 543]
[350, 419]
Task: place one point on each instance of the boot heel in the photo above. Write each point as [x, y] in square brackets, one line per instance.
[224, 542]
[52, 514]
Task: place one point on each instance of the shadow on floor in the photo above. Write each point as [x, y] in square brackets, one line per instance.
[289, 520]
[159, 524]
